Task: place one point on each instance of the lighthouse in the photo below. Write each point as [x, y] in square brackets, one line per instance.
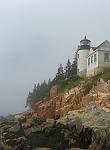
[82, 53]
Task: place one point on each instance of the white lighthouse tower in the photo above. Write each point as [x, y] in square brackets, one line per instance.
[82, 52]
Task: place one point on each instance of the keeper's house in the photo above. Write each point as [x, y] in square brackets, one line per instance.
[92, 60]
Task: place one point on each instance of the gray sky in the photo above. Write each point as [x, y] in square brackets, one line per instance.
[37, 35]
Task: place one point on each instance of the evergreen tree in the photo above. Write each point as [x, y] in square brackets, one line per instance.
[68, 70]
[38, 87]
[42, 90]
[74, 66]
[44, 84]
[29, 100]
[34, 94]
[49, 82]
[35, 89]
[60, 73]
[38, 93]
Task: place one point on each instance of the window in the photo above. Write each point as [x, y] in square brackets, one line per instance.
[88, 61]
[106, 57]
[95, 58]
[91, 59]
[78, 55]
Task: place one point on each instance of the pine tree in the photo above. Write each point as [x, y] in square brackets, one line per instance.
[29, 100]
[42, 90]
[60, 73]
[68, 70]
[49, 82]
[35, 89]
[74, 66]
[38, 87]
[34, 94]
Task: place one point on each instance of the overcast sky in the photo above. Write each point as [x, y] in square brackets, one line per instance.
[37, 35]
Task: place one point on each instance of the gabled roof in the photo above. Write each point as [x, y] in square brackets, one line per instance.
[104, 46]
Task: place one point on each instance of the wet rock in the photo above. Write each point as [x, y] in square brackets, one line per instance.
[88, 129]
[42, 148]
[15, 129]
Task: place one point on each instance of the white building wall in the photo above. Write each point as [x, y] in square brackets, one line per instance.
[82, 62]
[92, 67]
[101, 62]
[98, 66]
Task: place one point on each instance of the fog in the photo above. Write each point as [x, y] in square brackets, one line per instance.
[37, 35]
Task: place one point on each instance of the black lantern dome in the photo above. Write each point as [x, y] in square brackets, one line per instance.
[84, 44]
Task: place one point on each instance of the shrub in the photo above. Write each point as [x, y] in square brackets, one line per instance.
[87, 86]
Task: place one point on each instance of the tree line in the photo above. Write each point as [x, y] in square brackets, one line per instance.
[63, 75]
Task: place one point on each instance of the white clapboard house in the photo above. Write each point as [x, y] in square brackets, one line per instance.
[92, 60]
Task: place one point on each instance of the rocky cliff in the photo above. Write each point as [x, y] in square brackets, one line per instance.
[87, 128]
[60, 105]
[77, 119]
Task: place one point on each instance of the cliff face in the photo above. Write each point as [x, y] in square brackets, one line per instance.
[74, 119]
[59, 106]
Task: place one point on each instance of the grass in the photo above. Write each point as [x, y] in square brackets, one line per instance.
[67, 84]
[105, 75]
